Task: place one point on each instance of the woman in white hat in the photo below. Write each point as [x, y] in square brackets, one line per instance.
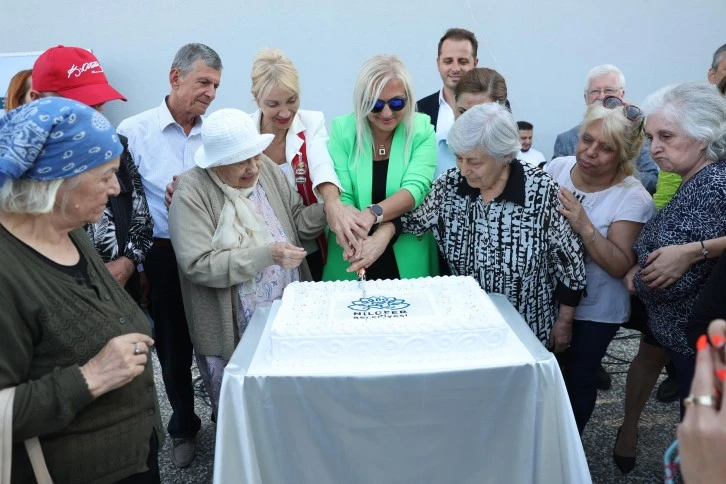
[236, 226]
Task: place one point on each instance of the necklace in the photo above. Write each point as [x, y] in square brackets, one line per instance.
[383, 148]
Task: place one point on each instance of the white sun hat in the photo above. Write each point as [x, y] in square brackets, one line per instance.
[229, 136]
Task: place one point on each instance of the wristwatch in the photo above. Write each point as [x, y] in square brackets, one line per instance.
[377, 211]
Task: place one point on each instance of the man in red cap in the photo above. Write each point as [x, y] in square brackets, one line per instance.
[123, 236]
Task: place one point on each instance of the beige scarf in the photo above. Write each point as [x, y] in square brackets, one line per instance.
[240, 225]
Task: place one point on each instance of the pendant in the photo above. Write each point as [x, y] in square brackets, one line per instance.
[381, 151]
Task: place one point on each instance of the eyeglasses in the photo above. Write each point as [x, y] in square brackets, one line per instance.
[396, 104]
[608, 91]
[631, 112]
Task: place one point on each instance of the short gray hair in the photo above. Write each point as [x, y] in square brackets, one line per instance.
[488, 127]
[717, 57]
[189, 53]
[698, 109]
[29, 197]
[603, 70]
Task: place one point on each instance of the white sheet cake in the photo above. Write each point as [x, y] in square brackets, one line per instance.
[426, 319]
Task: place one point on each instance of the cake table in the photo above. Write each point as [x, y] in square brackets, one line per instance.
[506, 421]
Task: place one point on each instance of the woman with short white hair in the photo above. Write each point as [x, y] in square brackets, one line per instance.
[385, 156]
[497, 220]
[678, 248]
[75, 346]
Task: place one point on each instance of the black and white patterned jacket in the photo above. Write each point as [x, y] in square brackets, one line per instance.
[518, 245]
[125, 228]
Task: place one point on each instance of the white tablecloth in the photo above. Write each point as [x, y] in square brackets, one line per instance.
[495, 424]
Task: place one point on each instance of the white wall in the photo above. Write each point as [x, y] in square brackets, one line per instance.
[543, 48]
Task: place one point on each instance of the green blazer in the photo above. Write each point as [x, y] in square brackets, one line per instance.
[415, 256]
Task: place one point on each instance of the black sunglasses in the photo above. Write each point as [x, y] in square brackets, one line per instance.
[396, 104]
[631, 112]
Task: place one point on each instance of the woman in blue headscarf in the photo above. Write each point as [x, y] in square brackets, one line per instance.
[74, 344]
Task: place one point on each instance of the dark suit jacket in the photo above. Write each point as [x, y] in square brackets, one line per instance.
[430, 105]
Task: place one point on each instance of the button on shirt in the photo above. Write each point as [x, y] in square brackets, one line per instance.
[160, 150]
[443, 125]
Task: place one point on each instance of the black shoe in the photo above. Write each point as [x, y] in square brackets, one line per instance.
[604, 382]
[668, 390]
[625, 464]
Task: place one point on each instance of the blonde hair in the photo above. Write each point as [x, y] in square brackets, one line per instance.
[374, 74]
[618, 130]
[272, 68]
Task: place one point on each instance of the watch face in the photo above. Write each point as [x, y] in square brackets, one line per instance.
[377, 210]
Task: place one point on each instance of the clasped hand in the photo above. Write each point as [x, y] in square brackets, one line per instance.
[372, 249]
[349, 228]
[665, 266]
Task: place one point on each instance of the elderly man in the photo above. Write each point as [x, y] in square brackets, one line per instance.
[456, 56]
[718, 66]
[602, 81]
[122, 236]
[163, 141]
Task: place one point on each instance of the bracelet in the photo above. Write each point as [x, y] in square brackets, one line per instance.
[594, 236]
[704, 251]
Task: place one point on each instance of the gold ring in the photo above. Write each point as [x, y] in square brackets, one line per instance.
[703, 400]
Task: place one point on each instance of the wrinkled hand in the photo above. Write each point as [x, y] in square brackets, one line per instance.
[560, 336]
[121, 269]
[343, 221]
[702, 434]
[116, 364]
[373, 247]
[286, 255]
[665, 266]
[169, 192]
[574, 212]
[629, 279]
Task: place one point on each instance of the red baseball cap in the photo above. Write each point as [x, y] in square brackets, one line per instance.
[74, 73]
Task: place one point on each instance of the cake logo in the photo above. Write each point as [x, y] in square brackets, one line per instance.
[378, 307]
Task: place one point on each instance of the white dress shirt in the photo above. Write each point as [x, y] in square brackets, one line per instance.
[160, 150]
[445, 120]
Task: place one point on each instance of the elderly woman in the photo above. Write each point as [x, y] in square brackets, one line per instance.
[385, 157]
[678, 247]
[18, 92]
[74, 344]
[236, 225]
[479, 86]
[497, 220]
[607, 207]
[300, 149]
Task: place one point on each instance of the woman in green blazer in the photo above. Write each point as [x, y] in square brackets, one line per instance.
[385, 156]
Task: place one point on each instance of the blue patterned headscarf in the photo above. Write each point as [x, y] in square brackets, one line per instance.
[54, 138]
